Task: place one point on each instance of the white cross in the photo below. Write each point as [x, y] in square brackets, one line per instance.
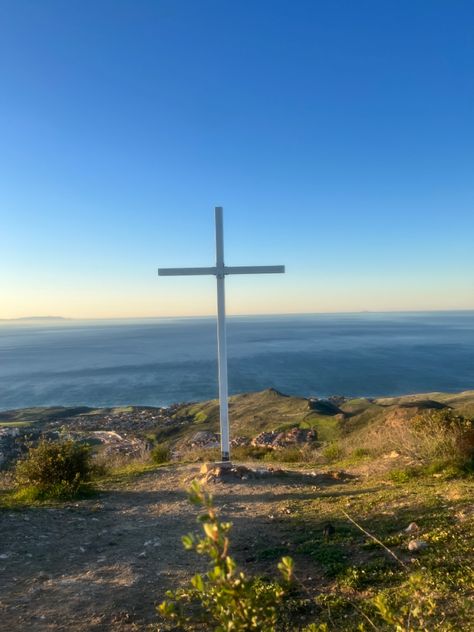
[220, 271]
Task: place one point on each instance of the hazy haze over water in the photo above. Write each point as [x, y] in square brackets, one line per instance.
[160, 361]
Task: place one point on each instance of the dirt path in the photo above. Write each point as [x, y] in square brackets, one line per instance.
[103, 563]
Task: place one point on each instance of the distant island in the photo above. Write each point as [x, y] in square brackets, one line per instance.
[33, 318]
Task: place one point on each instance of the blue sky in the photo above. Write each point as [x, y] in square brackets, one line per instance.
[338, 136]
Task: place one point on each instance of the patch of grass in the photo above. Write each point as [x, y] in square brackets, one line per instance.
[15, 424]
[333, 451]
[370, 574]
[127, 473]
[122, 409]
[357, 402]
[450, 468]
[403, 475]
[272, 553]
[327, 428]
[329, 555]
[249, 453]
[285, 455]
[199, 455]
[161, 453]
[360, 453]
[32, 495]
[359, 576]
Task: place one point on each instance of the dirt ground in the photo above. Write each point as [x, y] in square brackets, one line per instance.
[105, 562]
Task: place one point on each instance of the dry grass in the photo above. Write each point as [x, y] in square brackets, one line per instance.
[423, 437]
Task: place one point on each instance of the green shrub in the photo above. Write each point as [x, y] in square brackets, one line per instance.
[224, 598]
[54, 470]
[443, 434]
[161, 453]
[360, 453]
[451, 468]
[431, 436]
[403, 476]
[285, 455]
[333, 451]
[416, 608]
[249, 453]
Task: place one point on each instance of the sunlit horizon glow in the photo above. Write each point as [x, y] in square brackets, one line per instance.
[166, 304]
[339, 139]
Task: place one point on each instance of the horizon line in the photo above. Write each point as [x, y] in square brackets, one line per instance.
[213, 315]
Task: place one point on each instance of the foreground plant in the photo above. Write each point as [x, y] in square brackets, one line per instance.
[224, 597]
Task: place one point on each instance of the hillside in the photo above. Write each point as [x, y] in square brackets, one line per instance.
[333, 419]
[351, 424]
[394, 465]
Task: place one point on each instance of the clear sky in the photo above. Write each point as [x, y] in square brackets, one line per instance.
[338, 136]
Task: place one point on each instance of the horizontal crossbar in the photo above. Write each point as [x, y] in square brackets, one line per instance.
[185, 271]
[253, 269]
[227, 270]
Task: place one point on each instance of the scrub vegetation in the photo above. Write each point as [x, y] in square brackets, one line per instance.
[372, 526]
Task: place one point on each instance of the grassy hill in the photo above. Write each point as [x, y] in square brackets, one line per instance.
[252, 413]
[411, 425]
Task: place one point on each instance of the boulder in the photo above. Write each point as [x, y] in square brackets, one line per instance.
[238, 442]
[205, 439]
[284, 439]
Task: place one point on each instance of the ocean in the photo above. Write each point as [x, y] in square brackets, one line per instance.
[161, 361]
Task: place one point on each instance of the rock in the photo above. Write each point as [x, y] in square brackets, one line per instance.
[415, 546]
[412, 528]
[328, 530]
[292, 437]
[213, 472]
[205, 439]
[238, 442]
[205, 468]
[338, 475]
[391, 455]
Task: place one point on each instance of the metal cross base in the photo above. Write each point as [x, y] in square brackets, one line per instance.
[224, 465]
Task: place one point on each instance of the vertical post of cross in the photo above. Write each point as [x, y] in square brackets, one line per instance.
[221, 337]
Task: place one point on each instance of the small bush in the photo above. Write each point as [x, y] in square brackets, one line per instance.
[403, 476]
[360, 453]
[285, 455]
[197, 455]
[161, 453]
[249, 453]
[54, 470]
[451, 468]
[431, 436]
[333, 451]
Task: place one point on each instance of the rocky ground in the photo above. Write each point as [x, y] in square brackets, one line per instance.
[121, 431]
[103, 563]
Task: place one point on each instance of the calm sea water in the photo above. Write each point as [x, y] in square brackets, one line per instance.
[157, 362]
